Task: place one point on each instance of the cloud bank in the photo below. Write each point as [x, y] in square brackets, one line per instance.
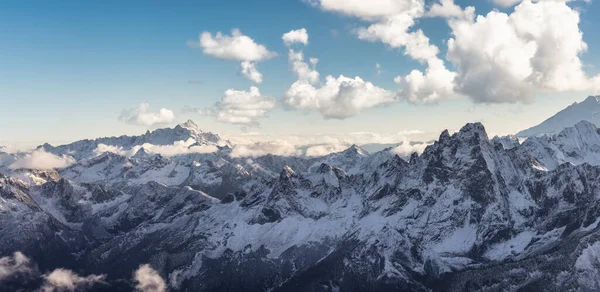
[178, 148]
[40, 159]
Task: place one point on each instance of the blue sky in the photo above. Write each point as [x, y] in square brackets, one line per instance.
[69, 68]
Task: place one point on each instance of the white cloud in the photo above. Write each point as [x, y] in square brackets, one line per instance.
[448, 9]
[277, 147]
[508, 58]
[303, 71]
[436, 84]
[392, 22]
[506, 3]
[295, 36]
[257, 144]
[178, 148]
[141, 117]
[377, 68]
[241, 107]
[393, 31]
[40, 159]
[249, 71]
[236, 46]
[325, 149]
[66, 280]
[17, 264]
[369, 10]
[148, 280]
[499, 57]
[406, 148]
[338, 98]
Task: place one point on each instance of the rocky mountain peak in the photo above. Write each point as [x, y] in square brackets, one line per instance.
[189, 124]
[287, 172]
[473, 129]
[592, 100]
[324, 168]
[355, 150]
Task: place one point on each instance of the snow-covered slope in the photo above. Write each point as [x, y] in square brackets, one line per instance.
[588, 110]
[165, 136]
[469, 214]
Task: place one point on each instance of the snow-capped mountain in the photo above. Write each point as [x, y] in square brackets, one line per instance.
[187, 132]
[587, 110]
[468, 214]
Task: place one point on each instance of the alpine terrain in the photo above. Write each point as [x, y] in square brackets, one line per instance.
[468, 214]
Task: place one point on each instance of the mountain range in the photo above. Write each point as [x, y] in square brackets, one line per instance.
[470, 213]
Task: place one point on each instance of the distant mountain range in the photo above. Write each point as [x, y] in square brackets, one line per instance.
[468, 214]
[587, 110]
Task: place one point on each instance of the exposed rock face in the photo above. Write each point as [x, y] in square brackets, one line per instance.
[469, 214]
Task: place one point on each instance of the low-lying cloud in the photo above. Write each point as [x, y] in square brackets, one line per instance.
[256, 144]
[177, 148]
[148, 280]
[40, 159]
[22, 273]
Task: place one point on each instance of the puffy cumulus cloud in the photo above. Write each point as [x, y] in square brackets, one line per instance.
[508, 58]
[236, 46]
[370, 10]
[276, 147]
[148, 280]
[392, 22]
[506, 3]
[498, 57]
[295, 36]
[178, 148]
[448, 9]
[338, 98]
[40, 159]
[17, 264]
[304, 72]
[435, 84]
[393, 28]
[394, 31]
[249, 71]
[242, 107]
[66, 280]
[509, 3]
[141, 117]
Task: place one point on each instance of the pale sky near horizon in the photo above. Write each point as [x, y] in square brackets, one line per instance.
[71, 70]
